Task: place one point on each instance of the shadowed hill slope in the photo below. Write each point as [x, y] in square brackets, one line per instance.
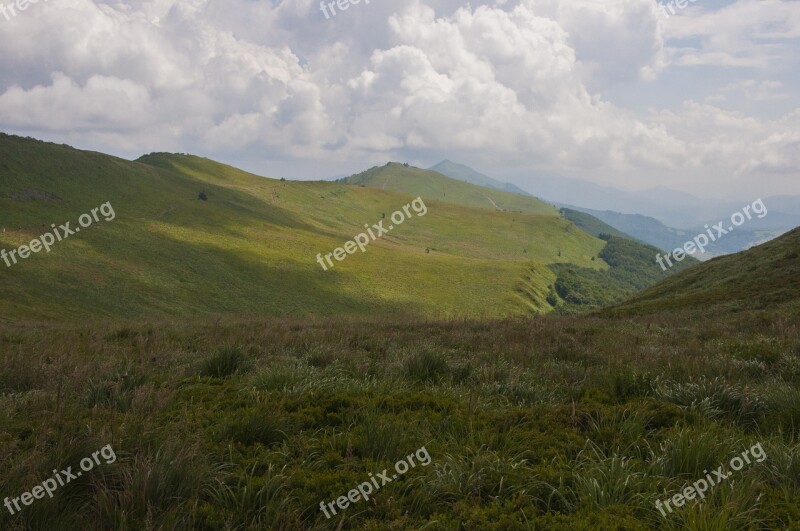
[765, 276]
[251, 248]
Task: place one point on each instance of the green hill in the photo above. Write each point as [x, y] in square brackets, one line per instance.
[592, 225]
[435, 186]
[575, 287]
[251, 248]
[767, 276]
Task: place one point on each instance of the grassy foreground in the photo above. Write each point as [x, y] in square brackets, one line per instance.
[534, 423]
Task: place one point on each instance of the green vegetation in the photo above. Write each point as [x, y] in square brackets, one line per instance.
[536, 423]
[632, 268]
[431, 185]
[250, 248]
[644, 228]
[762, 277]
[247, 423]
[592, 225]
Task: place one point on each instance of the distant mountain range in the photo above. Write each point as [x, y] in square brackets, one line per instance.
[467, 174]
[642, 215]
[652, 231]
[670, 207]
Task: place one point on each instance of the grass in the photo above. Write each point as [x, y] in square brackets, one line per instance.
[222, 421]
[434, 186]
[546, 422]
[762, 277]
[251, 248]
[223, 363]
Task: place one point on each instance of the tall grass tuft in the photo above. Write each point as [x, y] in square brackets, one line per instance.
[427, 367]
[225, 362]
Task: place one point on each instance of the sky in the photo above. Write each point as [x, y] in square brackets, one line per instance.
[699, 96]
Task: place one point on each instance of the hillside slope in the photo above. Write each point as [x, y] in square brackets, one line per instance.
[435, 186]
[576, 288]
[653, 232]
[765, 276]
[592, 224]
[467, 174]
[251, 248]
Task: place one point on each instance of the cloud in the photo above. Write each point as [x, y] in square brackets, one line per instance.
[752, 90]
[745, 33]
[521, 84]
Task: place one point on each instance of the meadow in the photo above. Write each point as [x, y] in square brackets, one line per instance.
[531, 423]
[238, 385]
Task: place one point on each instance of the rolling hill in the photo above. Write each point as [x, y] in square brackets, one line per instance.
[767, 276]
[592, 224]
[436, 186]
[576, 287]
[783, 211]
[251, 248]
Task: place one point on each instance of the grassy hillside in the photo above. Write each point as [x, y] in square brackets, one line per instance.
[575, 288]
[632, 268]
[435, 186]
[251, 248]
[643, 228]
[237, 419]
[592, 225]
[762, 277]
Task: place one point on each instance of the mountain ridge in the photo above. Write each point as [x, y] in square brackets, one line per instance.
[467, 174]
[250, 247]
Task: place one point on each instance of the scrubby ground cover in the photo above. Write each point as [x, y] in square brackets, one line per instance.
[544, 423]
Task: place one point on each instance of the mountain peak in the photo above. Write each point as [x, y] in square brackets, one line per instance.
[462, 172]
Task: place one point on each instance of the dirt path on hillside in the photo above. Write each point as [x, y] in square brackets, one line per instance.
[492, 202]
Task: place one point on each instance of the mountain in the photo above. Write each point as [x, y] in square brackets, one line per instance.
[626, 211]
[592, 224]
[251, 247]
[767, 276]
[668, 207]
[467, 174]
[652, 231]
[567, 192]
[437, 186]
[643, 228]
[576, 287]
[785, 204]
